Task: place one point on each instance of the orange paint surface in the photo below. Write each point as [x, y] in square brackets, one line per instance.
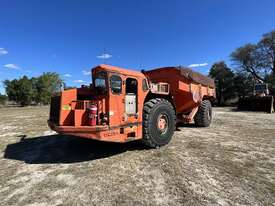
[113, 123]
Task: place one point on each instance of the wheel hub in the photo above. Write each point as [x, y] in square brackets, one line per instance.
[162, 123]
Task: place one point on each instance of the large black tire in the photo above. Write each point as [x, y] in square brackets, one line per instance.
[203, 116]
[159, 121]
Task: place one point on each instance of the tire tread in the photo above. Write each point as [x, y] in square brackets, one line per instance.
[147, 110]
[201, 118]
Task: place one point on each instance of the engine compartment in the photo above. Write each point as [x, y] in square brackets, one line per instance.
[72, 108]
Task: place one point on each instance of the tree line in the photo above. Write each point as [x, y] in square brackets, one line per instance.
[36, 90]
[252, 63]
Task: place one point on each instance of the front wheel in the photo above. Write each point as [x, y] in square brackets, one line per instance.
[159, 121]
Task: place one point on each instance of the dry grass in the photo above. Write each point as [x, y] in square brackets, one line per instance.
[230, 163]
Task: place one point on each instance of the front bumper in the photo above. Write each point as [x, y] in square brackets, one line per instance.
[102, 133]
[76, 129]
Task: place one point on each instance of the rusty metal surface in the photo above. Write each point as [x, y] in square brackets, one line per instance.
[196, 77]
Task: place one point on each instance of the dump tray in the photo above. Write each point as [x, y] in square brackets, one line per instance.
[188, 88]
[164, 73]
[196, 77]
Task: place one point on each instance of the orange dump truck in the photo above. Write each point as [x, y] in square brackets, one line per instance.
[124, 105]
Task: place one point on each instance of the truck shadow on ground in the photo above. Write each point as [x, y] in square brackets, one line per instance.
[65, 149]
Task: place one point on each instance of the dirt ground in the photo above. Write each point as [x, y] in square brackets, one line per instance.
[230, 163]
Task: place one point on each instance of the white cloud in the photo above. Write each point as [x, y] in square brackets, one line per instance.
[79, 81]
[67, 75]
[12, 66]
[104, 56]
[3, 51]
[198, 65]
[86, 73]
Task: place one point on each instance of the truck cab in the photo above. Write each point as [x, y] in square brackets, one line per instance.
[118, 96]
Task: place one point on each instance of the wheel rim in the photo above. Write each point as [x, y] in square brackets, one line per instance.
[162, 123]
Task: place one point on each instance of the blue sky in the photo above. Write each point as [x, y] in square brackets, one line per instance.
[70, 37]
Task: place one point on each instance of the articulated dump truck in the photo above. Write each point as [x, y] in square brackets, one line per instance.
[123, 105]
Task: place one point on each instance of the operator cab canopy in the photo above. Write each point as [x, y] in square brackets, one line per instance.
[115, 81]
[117, 70]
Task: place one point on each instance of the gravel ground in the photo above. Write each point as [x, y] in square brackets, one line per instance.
[230, 163]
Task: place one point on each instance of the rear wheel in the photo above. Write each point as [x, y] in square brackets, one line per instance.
[203, 116]
[159, 121]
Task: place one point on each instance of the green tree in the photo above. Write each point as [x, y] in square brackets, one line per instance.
[11, 87]
[3, 99]
[243, 84]
[270, 79]
[249, 59]
[34, 96]
[223, 77]
[20, 91]
[266, 47]
[258, 61]
[25, 91]
[46, 84]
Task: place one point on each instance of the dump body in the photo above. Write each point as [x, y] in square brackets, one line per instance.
[119, 96]
[188, 88]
